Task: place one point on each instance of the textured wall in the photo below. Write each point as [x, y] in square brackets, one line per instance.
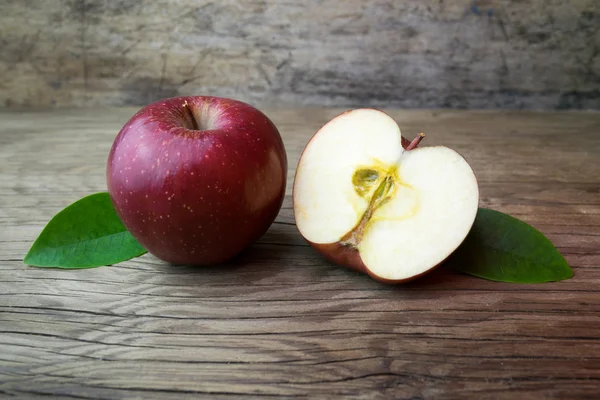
[413, 53]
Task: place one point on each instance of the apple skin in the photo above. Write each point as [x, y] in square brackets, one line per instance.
[350, 258]
[197, 197]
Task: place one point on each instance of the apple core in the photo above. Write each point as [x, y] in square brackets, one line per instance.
[378, 187]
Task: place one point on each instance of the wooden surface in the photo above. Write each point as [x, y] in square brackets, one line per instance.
[279, 321]
[409, 53]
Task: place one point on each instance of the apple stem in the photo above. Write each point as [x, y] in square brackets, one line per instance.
[191, 115]
[415, 142]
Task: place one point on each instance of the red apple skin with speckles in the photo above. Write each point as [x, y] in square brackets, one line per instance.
[197, 179]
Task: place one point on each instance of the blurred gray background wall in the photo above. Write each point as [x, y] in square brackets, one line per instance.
[442, 53]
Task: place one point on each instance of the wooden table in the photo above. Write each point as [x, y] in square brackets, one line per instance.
[281, 322]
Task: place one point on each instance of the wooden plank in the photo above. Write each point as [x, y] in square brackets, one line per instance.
[278, 321]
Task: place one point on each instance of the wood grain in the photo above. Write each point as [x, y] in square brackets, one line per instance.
[410, 53]
[278, 321]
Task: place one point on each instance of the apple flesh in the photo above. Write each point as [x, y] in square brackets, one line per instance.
[197, 179]
[368, 199]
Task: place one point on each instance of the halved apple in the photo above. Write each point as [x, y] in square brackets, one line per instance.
[368, 200]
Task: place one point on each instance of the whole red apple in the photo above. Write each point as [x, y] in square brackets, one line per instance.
[197, 179]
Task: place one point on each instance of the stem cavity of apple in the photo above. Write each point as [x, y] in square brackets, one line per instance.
[191, 116]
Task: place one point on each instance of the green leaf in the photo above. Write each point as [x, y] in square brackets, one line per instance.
[502, 248]
[86, 234]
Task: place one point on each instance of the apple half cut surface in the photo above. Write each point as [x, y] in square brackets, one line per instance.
[367, 202]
